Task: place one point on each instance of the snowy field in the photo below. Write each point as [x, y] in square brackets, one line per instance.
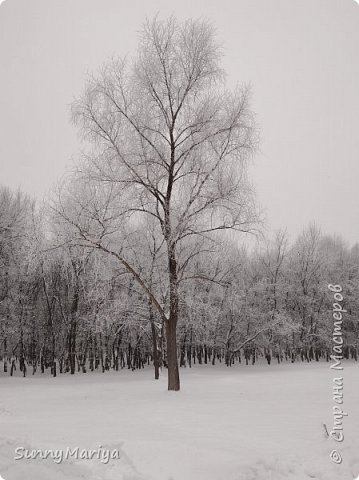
[240, 423]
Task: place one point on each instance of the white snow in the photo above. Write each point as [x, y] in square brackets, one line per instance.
[240, 423]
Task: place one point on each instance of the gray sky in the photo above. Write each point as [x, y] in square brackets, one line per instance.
[300, 56]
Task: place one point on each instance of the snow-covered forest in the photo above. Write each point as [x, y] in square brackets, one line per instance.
[76, 309]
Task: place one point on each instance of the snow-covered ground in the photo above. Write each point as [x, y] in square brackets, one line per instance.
[240, 423]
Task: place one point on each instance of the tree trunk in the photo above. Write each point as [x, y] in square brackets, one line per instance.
[73, 328]
[171, 323]
[173, 373]
[156, 357]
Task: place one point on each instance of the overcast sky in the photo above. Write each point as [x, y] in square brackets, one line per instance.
[300, 56]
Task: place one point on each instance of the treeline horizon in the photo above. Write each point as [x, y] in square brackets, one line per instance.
[70, 308]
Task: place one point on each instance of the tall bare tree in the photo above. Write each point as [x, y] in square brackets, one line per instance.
[170, 143]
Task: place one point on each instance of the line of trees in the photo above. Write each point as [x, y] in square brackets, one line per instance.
[72, 308]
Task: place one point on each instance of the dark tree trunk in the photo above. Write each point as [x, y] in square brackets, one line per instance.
[13, 367]
[5, 355]
[171, 323]
[72, 349]
[173, 373]
[156, 356]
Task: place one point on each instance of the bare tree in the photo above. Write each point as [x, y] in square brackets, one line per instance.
[170, 143]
